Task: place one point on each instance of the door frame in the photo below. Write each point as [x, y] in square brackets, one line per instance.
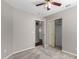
[44, 40]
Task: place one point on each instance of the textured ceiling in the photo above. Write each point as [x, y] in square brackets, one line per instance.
[29, 6]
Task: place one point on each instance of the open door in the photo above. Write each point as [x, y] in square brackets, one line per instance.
[39, 33]
[50, 33]
[54, 33]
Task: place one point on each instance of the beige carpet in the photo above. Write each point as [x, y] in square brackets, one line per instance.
[42, 53]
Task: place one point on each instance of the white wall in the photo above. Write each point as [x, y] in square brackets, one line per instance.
[17, 30]
[6, 29]
[23, 30]
[69, 28]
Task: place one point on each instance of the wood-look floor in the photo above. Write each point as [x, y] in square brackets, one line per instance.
[42, 53]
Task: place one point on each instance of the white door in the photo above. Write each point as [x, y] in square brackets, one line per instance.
[50, 33]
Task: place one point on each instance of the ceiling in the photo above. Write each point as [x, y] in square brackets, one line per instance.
[29, 6]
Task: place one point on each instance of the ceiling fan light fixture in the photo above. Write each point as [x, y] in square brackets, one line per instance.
[48, 4]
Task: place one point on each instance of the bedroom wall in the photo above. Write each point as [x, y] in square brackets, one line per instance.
[6, 29]
[69, 28]
[17, 30]
[23, 30]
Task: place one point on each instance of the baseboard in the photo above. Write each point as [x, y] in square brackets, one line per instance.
[18, 52]
[69, 53]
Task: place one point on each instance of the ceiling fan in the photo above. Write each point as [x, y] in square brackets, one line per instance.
[49, 3]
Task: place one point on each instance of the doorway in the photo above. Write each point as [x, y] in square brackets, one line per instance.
[58, 34]
[39, 31]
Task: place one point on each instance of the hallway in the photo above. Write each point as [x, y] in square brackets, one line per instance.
[42, 53]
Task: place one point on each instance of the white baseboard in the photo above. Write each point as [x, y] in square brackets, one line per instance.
[17, 52]
[69, 53]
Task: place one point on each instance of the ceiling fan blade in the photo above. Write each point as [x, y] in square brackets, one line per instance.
[57, 4]
[40, 4]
